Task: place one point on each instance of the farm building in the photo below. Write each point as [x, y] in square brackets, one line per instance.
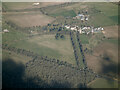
[67, 27]
[73, 28]
[35, 4]
[5, 30]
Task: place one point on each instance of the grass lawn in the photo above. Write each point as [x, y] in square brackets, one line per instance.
[103, 83]
[27, 5]
[64, 13]
[84, 39]
[114, 41]
[12, 36]
[16, 5]
[100, 19]
[47, 45]
[114, 18]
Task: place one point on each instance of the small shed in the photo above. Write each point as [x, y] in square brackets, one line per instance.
[35, 4]
[5, 30]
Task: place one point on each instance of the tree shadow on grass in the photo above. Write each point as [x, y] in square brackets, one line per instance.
[110, 69]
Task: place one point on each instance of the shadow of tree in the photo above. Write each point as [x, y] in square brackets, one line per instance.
[110, 69]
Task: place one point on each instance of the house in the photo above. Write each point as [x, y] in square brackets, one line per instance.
[83, 31]
[88, 27]
[84, 28]
[67, 27]
[86, 19]
[92, 30]
[73, 28]
[80, 15]
[102, 29]
[88, 32]
[82, 19]
[35, 4]
[5, 30]
[80, 31]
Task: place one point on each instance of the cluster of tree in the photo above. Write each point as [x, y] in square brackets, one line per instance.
[53, 27]
[80, 47]
[19, 51]
[75, 48]
[58, 35]
[49, 71]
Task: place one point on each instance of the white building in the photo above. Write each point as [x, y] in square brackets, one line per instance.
[80, 15]
[35, 4]
[102, 29]
[73, 28]
[86, 18]
[67, 27]
[82, 19]
[5, 30]
[80, 31]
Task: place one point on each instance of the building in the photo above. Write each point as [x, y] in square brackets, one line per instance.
[73, 28]
[80, 15]
[5, 30]
[67, 27]
[35, 4]
[86, 19]
[80, 31]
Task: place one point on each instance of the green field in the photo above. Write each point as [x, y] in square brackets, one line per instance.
[114, 41]
[103, 83]
[15, 5]
[64, 13]
[47, 45]
[84, 39]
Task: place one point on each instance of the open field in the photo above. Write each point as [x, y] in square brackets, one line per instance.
[27, 5]
[107, 48]
[103, 83]
[104, 58]
[29, 19]
[64, 13]
[12, 36]
[111, 32]
[84, 39]
[100, 19]
[47, 45]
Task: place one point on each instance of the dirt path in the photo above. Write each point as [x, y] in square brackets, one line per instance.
[91, 82]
